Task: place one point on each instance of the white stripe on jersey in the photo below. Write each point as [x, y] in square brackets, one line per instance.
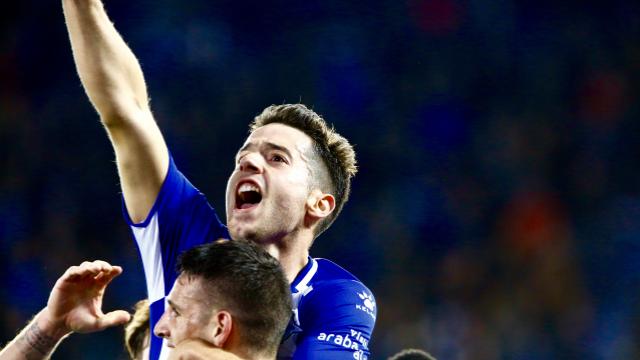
[165, 351]
[302, 289]
[303, 283]
[148, 239]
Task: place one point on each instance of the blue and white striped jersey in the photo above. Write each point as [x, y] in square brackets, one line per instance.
[334, 313]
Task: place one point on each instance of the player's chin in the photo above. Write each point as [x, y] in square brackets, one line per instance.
[239, 230]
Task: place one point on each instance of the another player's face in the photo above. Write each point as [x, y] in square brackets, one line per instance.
[268, 189]
[188, 314]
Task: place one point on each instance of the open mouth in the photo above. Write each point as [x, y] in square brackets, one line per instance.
[248, 196]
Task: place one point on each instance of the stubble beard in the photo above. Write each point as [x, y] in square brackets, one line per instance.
[269, 229]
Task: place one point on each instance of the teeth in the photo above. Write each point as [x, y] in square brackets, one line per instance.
[248, 187]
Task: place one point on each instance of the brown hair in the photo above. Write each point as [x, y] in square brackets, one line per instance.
[334, 157]
[250, 283]
[136, 332]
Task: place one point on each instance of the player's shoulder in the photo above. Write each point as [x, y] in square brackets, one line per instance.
[336, 296]
[332, 278]
[337, 315]
[330, 271]
[175, 180]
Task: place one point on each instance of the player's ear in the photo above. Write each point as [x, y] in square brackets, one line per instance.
[223, 323]
[320, 205]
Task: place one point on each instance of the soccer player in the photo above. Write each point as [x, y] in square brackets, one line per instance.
[231, 300]
[291, 180]
[232, 295]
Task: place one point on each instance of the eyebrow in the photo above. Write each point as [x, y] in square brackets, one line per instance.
[269, 145]
[174, 305]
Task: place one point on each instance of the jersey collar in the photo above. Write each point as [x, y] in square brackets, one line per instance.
[305, 275]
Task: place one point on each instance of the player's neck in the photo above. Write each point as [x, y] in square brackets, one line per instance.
[241, 352]
[293, 254]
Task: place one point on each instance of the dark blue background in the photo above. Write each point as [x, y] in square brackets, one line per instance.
[496, 214]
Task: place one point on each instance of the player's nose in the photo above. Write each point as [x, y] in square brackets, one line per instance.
[251, 163]
[162, 329]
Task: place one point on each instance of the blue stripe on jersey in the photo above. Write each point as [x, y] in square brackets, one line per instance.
[156, 309]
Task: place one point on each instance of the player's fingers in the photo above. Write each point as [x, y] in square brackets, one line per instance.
[70, 275]
[117, 270]
[102, 265]
[101, 262]
[84, 265]
[114, 318]
[110, 275]
[82, 271]
[72, 271]
[94, 270]
[88, 269]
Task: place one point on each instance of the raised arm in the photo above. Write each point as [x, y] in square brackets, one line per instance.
[115, 84]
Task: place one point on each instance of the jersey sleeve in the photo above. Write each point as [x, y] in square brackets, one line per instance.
[180, 219]
[338, 318]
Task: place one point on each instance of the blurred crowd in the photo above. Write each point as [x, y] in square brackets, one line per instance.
[496, 214]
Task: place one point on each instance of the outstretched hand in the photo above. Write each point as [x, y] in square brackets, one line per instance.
[75, 302]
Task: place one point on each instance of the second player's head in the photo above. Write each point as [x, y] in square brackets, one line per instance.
[292, 174]
[230, 294]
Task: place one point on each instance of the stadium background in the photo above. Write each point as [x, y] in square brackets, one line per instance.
[496, 214]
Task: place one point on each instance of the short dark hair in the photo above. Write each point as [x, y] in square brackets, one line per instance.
[335, 159]
[412, 354]
[249, 283]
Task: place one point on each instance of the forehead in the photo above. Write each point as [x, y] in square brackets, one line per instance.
[282, 135]
[188, 290]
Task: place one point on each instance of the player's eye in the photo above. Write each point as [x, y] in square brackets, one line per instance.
[278, 158]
